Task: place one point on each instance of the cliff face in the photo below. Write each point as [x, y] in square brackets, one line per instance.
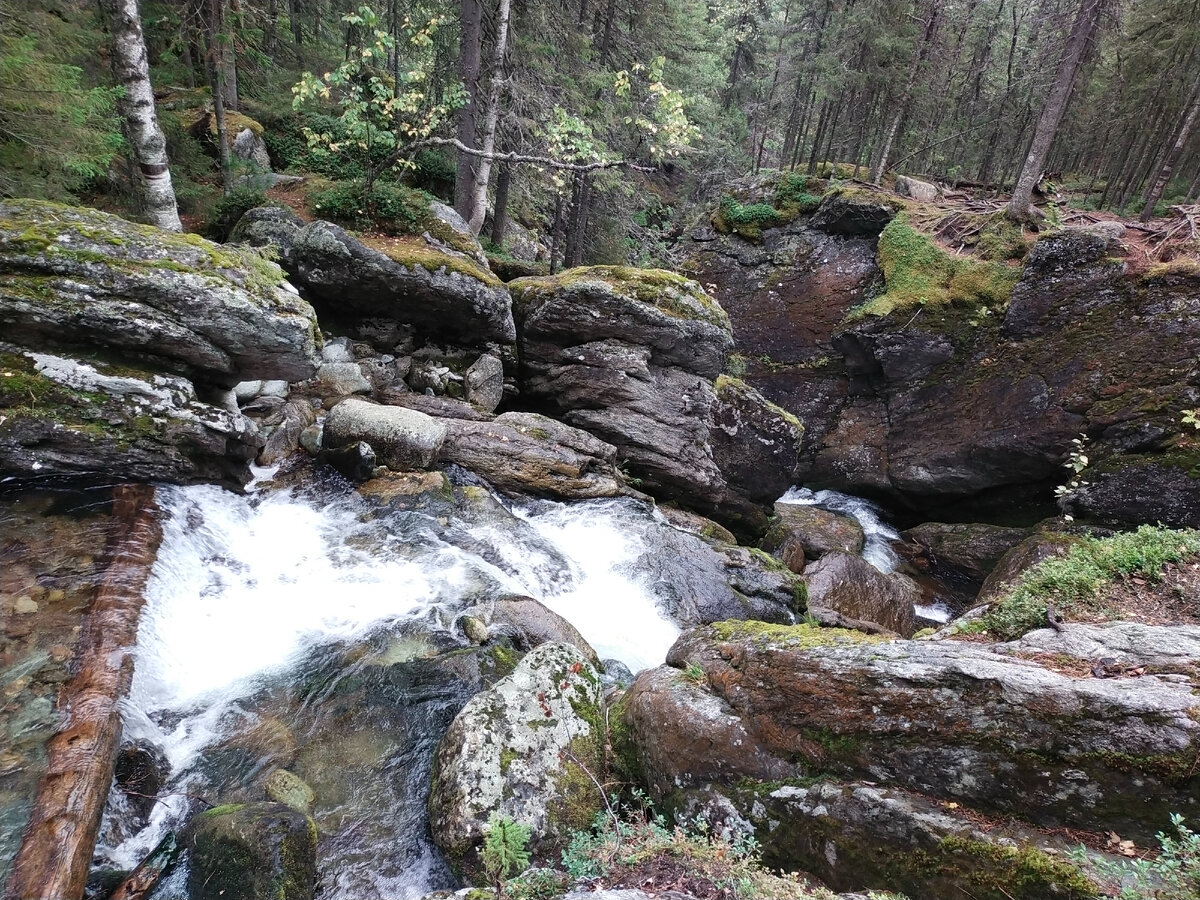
[964, 408]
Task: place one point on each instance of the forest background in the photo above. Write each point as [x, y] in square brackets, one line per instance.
[636, 113]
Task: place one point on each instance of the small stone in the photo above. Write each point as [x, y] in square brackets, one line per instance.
[290, 790]
[310, 438]
[485, 382]
[474, 628]
[25, 605]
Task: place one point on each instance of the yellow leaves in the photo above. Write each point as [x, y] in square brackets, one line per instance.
[1116, 845]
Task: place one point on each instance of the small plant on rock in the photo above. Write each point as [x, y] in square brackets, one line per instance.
[505, 850]
[1174, 875]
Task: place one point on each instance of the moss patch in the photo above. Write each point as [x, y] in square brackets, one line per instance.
[917, 272]
[1023, 871]
[666, 291]
[792, 637]
[409, 253]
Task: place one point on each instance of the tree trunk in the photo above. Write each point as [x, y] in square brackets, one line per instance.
[906, 98]
[146, 140]
[556, 233]
[500, 213]
[1020, 207]
[582, 214]
[610, 15]
[216, 72]
[491, 117]
[297, 30]
[1182, 136]
[470, 19]
[269, 27]
[56, 852]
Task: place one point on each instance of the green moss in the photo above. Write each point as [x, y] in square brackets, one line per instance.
[53, 231]
[1074, 581]
[433, 260]
[223, 809]
[1023, 871]
[728, 383]
[791, 637]
[576, 797]
[507, 756]
[1181, 267]
[671, 293]
[917, 273]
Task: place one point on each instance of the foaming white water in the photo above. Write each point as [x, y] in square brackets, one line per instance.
[879, 535]
[239, 588]
[610, 605]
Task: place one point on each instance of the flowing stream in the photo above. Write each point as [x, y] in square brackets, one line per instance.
[313, 630]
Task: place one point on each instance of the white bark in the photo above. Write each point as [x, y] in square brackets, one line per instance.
[132, 72]
[484, 172]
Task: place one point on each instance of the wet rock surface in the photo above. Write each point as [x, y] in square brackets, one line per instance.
[252, 850]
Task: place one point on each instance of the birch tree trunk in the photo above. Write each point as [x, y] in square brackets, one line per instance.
[149, 146]
[484, 170]
[1020, 207]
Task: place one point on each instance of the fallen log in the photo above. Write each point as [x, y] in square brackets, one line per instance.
[53, 861]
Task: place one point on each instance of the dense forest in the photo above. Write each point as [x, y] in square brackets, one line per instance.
[597, 122]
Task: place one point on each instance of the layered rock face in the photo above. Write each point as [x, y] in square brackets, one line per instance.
[979, 725]
[945, 409]
[634, 357]
[115, 335]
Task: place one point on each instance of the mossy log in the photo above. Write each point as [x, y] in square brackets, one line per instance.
[53, 860]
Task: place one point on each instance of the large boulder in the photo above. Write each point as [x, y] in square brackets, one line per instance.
[528, 624]
[968, 550]
[818, 531]
[962, 722]
[851, 586]
[630, 355]
[533, 454]
[63, 417]
[80, 279]
[401, 438]
[252, 850]
[444, 297]
[527, 748]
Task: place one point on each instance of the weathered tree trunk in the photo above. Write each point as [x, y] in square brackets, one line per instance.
[470, 19]
[1182, 136]
[150, 871]
[269, 26]
[582, 214]
[491, 117]
[297, 30]
[500, 213]
[146, 140]
[1020, 207]
[556, 232]
[906, 98]
[52, 863]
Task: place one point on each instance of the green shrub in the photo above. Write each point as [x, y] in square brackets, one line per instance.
[390, 208]
[1174, 875]
[505, 850]
[1072, 582]
[226, 212]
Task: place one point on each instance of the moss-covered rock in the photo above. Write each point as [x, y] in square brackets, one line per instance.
[252, 851]
[82, 279]
[528, 748]
[65, 417]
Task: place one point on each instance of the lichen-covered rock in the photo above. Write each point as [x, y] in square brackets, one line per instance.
[445, 297]
[532, 454]
[818, 531]
[401, 438]
[268, 226]
[484, 382]
[849, 585]
[668, 314]
[963, 722]
[919, 190]
[61, 417]
[509, 751]
[250, 851]
[80, 279]
[1028, 553]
